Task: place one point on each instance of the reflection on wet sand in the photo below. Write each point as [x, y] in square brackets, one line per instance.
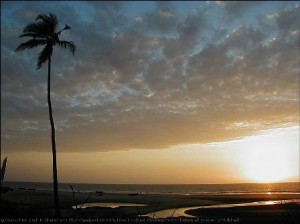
[181, 212]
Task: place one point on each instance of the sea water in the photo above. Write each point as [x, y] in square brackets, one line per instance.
[185, 189]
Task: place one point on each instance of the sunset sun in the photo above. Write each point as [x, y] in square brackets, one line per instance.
[266, 161]
[266, 166]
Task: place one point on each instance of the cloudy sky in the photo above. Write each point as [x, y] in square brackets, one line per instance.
[148, 77]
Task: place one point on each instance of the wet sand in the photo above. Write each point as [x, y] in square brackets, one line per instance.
[39, 204]
[277, 213]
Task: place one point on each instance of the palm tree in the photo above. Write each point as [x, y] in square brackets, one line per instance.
[43, 32]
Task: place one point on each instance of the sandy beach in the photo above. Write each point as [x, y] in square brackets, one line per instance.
[147, 208]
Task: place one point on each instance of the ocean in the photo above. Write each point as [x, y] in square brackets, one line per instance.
[186, 189]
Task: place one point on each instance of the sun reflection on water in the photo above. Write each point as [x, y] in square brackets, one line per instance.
[270, 202]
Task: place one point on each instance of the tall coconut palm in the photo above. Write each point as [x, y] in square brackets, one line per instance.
[43, 32]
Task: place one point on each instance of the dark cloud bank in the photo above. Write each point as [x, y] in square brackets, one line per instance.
[152, 79]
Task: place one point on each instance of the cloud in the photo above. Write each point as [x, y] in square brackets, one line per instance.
[152, 80]
[286, 19]
[162, 19]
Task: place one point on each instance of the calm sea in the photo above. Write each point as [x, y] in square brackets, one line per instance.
[280, 188]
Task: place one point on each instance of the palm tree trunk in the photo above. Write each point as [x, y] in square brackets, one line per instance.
[1, 176]
[54, 165]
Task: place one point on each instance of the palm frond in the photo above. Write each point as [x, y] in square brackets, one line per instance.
[43, 32]
[3, 169]
[50, 20]
[31, 44]
[30, 34]
[44, 55]
[67, 45]
[30, 28]
[40, 28]
[43, 17]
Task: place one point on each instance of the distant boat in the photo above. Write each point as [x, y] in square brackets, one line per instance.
[99, 193]
[3, 168]
[135, 194]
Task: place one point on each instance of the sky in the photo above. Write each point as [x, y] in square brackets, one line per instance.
[157, 92]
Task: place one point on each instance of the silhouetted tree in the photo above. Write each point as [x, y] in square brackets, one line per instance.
[43, 32]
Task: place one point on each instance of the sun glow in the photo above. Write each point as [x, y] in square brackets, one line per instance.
[265, 159]
[267, 165]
